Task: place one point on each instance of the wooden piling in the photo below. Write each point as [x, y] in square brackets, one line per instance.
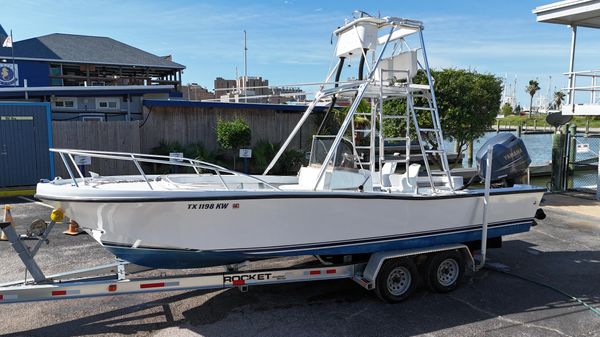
[558, 149]
[470, 153]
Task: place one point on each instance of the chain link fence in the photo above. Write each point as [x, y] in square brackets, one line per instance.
[584, 170]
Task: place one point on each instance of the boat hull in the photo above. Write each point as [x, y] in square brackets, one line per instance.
[225, 228]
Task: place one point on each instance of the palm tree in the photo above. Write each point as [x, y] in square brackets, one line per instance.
[559, 97]
[531, 89]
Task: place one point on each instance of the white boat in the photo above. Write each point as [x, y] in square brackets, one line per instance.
[339, 204]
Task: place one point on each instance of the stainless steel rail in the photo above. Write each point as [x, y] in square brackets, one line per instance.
[138, 158]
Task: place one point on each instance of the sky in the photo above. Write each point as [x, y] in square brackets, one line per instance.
[289, 41]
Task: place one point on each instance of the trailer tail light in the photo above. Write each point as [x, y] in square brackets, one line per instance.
[59, 292]
[152, 285]
[331, 271]
[112, 287]
[315, 272]
[238, 282]
[158, 285]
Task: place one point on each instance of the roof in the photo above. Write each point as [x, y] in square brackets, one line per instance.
[3, 33]
[86, 49]
[582, 13]
[85, 91]
[212, 104]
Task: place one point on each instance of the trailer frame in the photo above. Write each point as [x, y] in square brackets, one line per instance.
[120, 278]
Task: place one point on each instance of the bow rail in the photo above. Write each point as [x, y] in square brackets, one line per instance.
[138, 158]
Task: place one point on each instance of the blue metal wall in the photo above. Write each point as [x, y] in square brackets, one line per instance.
[25, 136]
[36, 73]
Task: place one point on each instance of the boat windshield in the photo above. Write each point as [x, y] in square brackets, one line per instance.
[343, 157]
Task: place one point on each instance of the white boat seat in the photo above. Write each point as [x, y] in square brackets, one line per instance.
[399, 67]
[406, 182]
[386, 170]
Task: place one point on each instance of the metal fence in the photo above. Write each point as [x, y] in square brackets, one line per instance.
[584, 168]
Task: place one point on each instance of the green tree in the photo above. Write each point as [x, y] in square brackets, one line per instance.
[506, 110]
[559, 98]
[531, 89]
[467, 103]
[231, 135]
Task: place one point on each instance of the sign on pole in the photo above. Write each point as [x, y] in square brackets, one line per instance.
[175, 157]
[245, 153]
[82, 160]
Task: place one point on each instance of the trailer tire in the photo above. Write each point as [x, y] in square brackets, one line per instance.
[444, 271]
[396, 280]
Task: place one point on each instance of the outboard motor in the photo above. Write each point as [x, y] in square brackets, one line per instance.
[510, 159]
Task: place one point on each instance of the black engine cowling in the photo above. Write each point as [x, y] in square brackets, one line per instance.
[510, 159]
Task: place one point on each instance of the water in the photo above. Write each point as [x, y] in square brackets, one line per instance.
[539, 147]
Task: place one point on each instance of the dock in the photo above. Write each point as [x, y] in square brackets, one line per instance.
[543, 129]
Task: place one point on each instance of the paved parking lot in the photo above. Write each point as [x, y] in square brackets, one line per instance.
[563, 252]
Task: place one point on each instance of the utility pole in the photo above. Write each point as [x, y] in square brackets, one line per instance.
[237, 91]
[245, 67]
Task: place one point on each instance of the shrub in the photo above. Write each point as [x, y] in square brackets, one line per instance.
[263, 152]
[198, 152]
[233, 134]
[506, 110]
[191, 151]
[290, 162]
[164, 148]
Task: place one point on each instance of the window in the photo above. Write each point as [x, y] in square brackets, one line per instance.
[55, 75]
[92, 118]
[108, 103]
[65, 102]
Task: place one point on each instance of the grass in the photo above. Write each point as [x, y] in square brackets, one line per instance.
[580, 121]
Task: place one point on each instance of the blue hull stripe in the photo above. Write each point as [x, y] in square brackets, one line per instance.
[178, 259]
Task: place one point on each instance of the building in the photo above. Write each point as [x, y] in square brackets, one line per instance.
[195, 92]
[256, 90]
[235, 91]
[86, 77]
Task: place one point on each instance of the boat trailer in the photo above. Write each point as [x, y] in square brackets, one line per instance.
[392, 274]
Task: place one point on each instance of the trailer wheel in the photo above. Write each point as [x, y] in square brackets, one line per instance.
[396, 280]
[444, 271]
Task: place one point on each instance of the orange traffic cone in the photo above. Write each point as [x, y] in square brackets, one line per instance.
[73, 228]
[7, 218]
